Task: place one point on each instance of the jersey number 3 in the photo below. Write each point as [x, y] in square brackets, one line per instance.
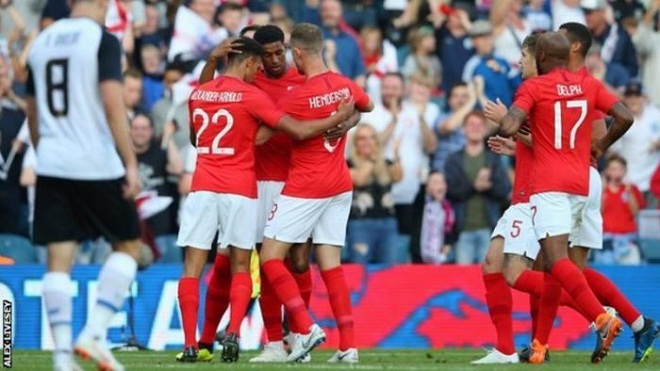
[215, 148]
[571, 104]
[57, 77]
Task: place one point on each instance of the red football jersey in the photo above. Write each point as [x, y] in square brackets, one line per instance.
[561, 109]
[318, 167]
[522, 183]
[617, 217]
[225, 114]
[272, 159]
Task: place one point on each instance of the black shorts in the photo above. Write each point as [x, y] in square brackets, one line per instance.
[75, 210]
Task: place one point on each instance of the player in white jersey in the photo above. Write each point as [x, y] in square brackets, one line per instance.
[87, 176]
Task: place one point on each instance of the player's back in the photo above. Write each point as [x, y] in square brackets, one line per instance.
[561, 107]
[318, 167]
[67, 63]
[225, 115]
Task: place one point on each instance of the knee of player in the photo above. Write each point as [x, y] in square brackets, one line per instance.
[512, 272]
[492, 263]
[299, 264]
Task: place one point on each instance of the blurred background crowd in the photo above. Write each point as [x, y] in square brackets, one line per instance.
[427, 187]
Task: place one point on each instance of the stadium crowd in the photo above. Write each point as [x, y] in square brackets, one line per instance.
[428, 189]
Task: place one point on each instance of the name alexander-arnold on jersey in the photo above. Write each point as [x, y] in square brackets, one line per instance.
[216, 96]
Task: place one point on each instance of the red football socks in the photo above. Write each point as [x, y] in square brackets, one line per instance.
[549, 303]
[531, 282]
[188, 293]
[304, 281]
[217, 297]
[241, 291]
[340, 301]
[500, 307]
[534, 305]
[608, 294]
[271, 310]
[287, 291]
[575, 284]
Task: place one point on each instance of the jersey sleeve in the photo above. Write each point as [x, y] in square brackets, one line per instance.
[359, 96]
[524, 98]
[109, 57]
[263, 108]
[29, 84]
[604, 99]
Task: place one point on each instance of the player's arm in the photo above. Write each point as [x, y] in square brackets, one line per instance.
[495, 112]
[31, 110]
[512, 121]
[301, 130]
[219, 53]
[264, 133]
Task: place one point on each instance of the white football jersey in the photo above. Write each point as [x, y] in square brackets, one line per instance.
[67, 63]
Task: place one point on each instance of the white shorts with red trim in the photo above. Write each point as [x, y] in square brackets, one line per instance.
[268, 192]
[516, 227]
[591, 228]
[294, 220]
[557, 213]
[206, 213]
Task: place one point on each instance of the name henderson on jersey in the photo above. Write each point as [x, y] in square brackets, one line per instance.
[329, 98]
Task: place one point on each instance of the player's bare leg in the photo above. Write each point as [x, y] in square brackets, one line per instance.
[188, 294]
[500, 305]
[272, 257]
[329, 261]
[561, 272]
[645, 329]
[115, 279]
[239, 297]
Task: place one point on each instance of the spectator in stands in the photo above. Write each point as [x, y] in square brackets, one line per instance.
[462, 99]
[160, 169]
[647, 42]
[564, 11]
[495, 71]
[423, 61]
[346, 57]
[616, 44]
[133, 92]
[478, 185]
[232, 18]
[435, 229]
[453, 43]
[509, 30]
[614, 76]
[399, 125]
[538, 18]
[640, 146]
[372, 226]
[152, 82]
[379, 58]
[621, 203]
[151, 32]
[623, 9]
[173, 106]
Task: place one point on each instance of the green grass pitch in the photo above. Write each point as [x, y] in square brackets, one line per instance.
[445, 359]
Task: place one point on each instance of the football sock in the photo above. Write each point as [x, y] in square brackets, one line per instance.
[241, 291]
[217, 298]
[340, 302]
[531, 282]
[115, 279]
[304, 281]
[57, 301]
[287, 291]
[608, 294]
[271, 310]
[549, 303]
[189, 305]
[500, 307]
[534, 304]
[573, 281]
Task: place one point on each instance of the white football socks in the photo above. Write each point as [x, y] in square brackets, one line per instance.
[56, 289]
[638, 325]
[115, 279]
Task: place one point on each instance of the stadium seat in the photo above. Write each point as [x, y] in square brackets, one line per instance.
[18, 248]
[649, 234]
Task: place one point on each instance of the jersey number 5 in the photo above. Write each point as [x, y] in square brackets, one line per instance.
[57, 77]
[215, 148]
[571, 104]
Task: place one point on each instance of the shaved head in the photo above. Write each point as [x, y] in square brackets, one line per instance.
[552, 50]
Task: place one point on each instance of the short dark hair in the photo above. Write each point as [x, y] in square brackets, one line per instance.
[246, 29]
[269, 34]
[247, 47]
[134, 73]
[577, 32]
[394, 74]
[308, 37]
[530, 43]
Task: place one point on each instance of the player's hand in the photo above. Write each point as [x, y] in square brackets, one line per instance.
[596, 151]
[346, 109]
[132, 185]
[226, 47]
[502, 146]
[525, 129]
[340, 130]
[495, 111]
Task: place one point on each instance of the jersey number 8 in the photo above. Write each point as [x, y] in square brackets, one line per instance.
[215, 148]
[57, 77]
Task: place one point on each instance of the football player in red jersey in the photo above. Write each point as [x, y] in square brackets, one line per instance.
[316, 199]
[225, 117]
[552, 100]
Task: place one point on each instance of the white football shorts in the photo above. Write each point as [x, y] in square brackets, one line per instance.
[294, 220]
[206, 213]
[557, 213]
[591, 228]
[268, 191]
[516, 227]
